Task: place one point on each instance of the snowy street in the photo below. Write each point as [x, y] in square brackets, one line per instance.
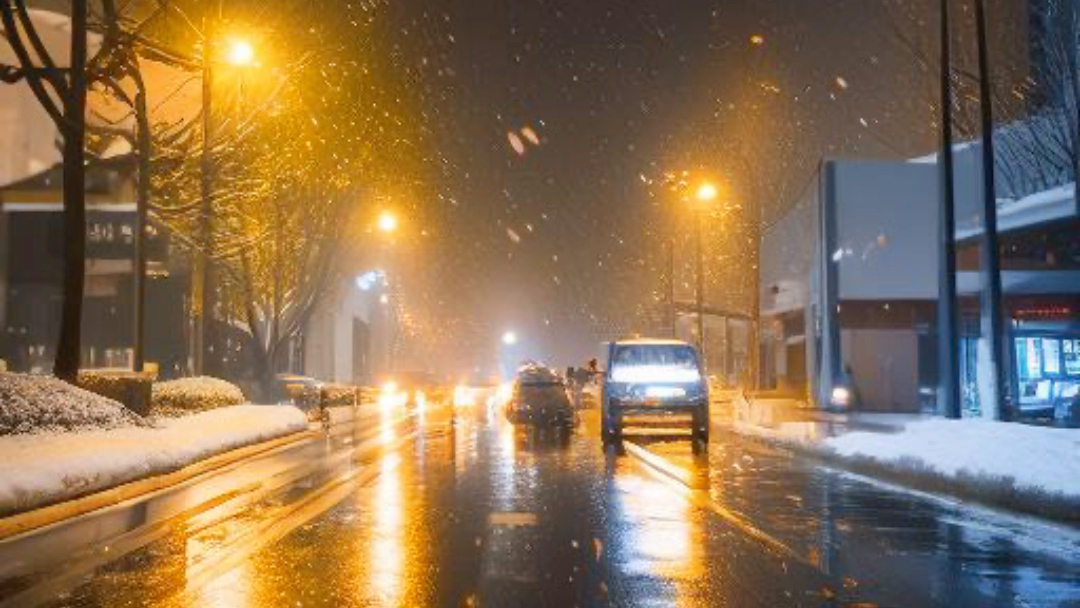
[540, 303]
[459, 508]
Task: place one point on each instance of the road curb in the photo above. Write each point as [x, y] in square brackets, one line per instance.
[26, 521]
[1004, 497]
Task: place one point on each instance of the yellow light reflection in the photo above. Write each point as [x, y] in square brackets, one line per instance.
[387, 558]
[668, 534]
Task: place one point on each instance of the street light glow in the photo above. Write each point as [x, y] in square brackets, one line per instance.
[387, 222]
[706, 192]
[240, 53]
[509, 338]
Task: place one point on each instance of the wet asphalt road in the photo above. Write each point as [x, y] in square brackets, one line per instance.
[468, 511]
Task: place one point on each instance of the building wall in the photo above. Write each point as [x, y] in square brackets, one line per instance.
[886, 230]
[331, 340]
[885, 250]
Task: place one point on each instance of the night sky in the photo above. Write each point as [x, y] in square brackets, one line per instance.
[561, 239]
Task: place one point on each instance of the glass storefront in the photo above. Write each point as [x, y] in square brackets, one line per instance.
[1047, 376]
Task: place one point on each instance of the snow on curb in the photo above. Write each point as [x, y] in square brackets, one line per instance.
[1030, 458]
[1004, 464]
[41, 469]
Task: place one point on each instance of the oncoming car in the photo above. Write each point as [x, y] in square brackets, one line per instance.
[654, 378]
[540, 398]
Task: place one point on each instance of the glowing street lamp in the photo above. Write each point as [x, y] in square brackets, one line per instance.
[706, 192]
[240, 53]
[509, 338]
[387, 222]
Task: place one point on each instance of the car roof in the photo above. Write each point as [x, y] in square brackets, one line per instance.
[538, 375]
[651, 342]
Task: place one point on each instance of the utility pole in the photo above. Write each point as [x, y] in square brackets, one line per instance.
[754, 347]
[700, 255]
[671, 287]
[948, 312]
[991, 310]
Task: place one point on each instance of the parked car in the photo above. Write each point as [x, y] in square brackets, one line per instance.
[540, 398]
[647, 377]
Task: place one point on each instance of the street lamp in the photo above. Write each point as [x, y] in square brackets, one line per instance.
[509, 338]
[239, 53]
[706, 193]
[387, 222]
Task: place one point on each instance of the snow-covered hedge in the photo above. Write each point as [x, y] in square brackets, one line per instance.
[44, 469]
[337, 394]
[36, 404]
[195, 394]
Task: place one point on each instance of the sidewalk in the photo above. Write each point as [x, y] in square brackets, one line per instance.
[1025, 468]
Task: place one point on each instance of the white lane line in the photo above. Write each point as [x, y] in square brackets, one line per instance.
[512, 519]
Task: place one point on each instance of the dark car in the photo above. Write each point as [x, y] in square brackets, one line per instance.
[654, 378]
[540, 398]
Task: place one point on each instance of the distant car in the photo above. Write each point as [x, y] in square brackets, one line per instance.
[540, 398]
[408, 388]
[654, 378]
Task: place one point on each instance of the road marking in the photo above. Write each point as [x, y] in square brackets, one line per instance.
[512, 519]
[680, 479]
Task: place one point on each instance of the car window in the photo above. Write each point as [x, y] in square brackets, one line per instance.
[667, 355]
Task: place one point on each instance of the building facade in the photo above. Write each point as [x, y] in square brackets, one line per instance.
[849, 282]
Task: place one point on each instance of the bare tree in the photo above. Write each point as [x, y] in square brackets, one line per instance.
[62, 94]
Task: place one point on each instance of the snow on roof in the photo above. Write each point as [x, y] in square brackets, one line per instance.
[656, 341]
[1013, 214]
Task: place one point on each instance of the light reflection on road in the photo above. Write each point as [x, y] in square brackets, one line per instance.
[664, 537]
[386, 552]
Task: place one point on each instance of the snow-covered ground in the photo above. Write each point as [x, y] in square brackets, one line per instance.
[45, 468]
[36, 404]
[1029, 458]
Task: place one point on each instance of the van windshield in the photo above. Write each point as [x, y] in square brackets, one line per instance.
[658, 355]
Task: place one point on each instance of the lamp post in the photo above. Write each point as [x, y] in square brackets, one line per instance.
[387, 224]
[706, 193]
[239, 53]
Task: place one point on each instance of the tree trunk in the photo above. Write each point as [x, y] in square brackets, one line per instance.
[69, 346]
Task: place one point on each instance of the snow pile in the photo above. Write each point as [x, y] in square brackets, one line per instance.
[194, 394]
[49, 468]
[1022, 457]
[38, 404]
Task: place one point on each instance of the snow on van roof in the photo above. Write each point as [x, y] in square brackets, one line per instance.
[657, 341]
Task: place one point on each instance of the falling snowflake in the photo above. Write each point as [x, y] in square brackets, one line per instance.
[515, 142]
[529, 134]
